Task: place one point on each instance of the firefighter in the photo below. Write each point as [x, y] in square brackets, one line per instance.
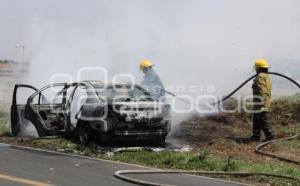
[152, 82]
[262, 87]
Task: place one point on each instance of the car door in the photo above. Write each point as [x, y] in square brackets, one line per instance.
[77, 100]
[69, 129]
[46, 109]
[19, 124]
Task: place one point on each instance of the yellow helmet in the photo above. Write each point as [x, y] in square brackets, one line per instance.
[146, 64]
[261, 63]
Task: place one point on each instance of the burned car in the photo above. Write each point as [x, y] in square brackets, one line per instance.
[91, 110]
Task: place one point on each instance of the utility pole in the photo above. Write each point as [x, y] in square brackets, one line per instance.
[23, 56]
[23, 51]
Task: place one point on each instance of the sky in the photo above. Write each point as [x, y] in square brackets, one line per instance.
[191, 42]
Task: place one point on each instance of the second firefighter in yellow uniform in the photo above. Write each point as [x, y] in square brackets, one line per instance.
[262, 88]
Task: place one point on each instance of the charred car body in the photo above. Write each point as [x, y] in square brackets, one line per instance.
[91, 110]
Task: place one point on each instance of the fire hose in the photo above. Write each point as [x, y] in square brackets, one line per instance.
[120, 174]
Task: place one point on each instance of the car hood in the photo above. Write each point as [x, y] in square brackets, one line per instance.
[141, 111]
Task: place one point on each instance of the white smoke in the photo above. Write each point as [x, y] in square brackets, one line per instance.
[192, 43]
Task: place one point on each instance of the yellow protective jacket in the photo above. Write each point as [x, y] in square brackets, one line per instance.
[262, 87]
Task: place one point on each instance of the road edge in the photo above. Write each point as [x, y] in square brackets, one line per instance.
[111, 161]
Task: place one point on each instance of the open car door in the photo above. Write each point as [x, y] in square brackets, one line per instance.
[18, 122]
[46, 109]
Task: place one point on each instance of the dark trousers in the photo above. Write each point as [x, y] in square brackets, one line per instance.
[261, 123]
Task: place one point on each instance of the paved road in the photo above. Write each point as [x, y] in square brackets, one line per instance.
[20, 166]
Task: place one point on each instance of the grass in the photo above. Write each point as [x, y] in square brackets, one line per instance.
[173, 160]
[201, 160]
[3, 121]
[3, 128]
[293, 145]
[294, 98]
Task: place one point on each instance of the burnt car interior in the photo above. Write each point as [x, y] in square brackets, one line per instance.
[48, 109]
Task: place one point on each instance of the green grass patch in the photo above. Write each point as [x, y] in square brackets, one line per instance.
[174, 160]
[3, 129]
[203, 161]
[294, 98]
[3, 122]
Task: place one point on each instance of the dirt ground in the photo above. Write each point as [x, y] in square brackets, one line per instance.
[227, 134]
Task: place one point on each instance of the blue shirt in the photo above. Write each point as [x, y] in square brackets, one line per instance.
[153, 84]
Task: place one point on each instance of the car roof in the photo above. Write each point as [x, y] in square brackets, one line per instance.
[107, 83]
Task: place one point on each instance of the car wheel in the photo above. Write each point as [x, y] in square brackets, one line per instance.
[69, 129]
[160, 142]
[163, 142]
[84, 134]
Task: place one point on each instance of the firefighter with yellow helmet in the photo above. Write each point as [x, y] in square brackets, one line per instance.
[262, 87]
[151, 82]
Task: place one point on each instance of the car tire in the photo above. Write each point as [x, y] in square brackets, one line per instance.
[160, 142]
[70, 130]
[84, 133]
[163, 142]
